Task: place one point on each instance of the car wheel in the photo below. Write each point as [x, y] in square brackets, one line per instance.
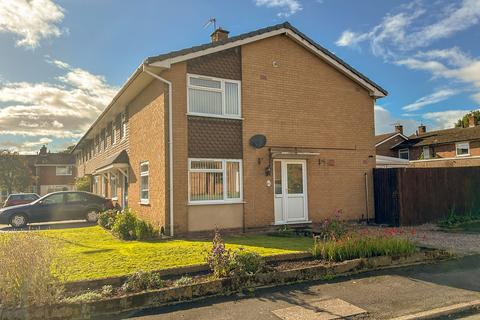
[92, 216]
[18, 220]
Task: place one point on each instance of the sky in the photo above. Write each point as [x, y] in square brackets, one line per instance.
[62, 61]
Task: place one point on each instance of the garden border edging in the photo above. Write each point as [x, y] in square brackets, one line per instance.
[225, 286]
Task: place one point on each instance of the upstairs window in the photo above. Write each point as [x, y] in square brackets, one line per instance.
[112, 133]
[426, 153]
[403, 154]
[123, 125]
[463, 149]
[104, 138]
[64, 170]
[213, 97]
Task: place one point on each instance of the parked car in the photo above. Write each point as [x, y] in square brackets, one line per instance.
[15, 199]
[56, 206]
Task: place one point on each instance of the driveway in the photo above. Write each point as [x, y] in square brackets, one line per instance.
[384, 295]
[49, 225]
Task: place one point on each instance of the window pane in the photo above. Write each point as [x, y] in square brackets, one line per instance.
[233, 180]
[54, 199]
[462, 149]
[231, 98]
[295, 178]
[144, 194]
[206, 186]
[74, 197]
[206, 165]
[144, 182]
[201, 101]
[277, 166]
[205, 83]
[144, 167]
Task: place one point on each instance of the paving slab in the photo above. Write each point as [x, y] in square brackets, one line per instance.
[320, 310]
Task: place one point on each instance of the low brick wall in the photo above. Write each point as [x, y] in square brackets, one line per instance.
[162, 297]
[95, 284]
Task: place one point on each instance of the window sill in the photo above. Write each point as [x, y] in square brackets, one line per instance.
[291, 222]
[144, 203]
[115, 199]
[209, 203]
[213, 116]
[463, 155]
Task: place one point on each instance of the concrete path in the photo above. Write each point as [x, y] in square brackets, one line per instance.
[384, 295]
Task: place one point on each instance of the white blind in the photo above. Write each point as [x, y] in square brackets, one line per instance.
[201, 101]
[231, 98]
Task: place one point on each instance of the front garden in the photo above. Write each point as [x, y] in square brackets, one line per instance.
[226, 265]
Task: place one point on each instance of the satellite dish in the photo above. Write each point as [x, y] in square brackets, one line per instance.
[258, 141]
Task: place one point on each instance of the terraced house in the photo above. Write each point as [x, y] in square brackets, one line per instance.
[261, 129]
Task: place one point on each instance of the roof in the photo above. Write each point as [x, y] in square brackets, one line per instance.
[159, 60]
[55, 158]
[442, 137]
[379, 139]
[119, 158]
[284, 25]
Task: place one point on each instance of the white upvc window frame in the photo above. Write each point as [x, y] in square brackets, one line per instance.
[426, 153]
[145, 201]
[462, 143]
[64, 174]
[404, 150]
[221, 90]
[113, 186]
[123, 125]
[225, 200]
[112, 134]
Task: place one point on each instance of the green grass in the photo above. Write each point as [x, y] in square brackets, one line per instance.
[93, 253]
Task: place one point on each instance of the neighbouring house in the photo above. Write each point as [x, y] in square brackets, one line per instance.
[51, 172]
[385, 143]
[261, 129]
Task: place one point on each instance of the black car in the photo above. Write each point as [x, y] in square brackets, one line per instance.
[56, 206]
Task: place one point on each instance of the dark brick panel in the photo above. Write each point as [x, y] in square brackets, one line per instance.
[224, 64]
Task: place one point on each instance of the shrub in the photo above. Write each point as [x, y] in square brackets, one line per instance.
[183, 281]
[83, 184]
[362, 246]
[219, 259]
[144, 230]
[454, 220]
[26, 263]
[333, 229]
[106, 219]
[84, 297]
[247, 263]
[124, 225]
[141, 281]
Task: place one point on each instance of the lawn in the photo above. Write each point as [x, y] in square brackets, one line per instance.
[92, 253]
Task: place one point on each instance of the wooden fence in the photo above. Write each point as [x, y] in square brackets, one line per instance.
[412, 196]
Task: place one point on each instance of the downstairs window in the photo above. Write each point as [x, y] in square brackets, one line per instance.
[214, 181]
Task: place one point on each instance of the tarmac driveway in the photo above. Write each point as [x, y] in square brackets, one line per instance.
[49, 225]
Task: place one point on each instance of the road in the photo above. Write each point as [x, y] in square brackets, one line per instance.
[384, 295]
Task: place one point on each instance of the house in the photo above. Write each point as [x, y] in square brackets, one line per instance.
[261, 129]
[51, 172]
[385, 143]
[456, 147]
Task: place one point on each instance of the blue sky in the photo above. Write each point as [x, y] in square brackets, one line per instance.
[61, 61]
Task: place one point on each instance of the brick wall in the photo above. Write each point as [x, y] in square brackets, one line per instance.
[147, 125]
[304, 102]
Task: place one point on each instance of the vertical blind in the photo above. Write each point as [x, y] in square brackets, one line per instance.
[215, 180]
[213, 97]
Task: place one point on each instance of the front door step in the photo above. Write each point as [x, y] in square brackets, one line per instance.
[320, 310]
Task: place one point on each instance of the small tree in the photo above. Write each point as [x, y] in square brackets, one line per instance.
[15, 175]
[83, 184]
[463, 122]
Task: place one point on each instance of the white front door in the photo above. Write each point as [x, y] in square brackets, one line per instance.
[290, 191]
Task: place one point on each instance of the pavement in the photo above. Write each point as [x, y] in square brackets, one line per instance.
[383, 294]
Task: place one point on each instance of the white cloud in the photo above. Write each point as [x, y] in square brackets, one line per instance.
[31, 20]
[385, 122]
[444, 119]
[403, 31]
[433, 98]
[289, 7]
[61, 110]
[452, 56]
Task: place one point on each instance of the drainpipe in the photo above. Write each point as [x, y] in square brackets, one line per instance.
[170, 144]
[366, 196]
